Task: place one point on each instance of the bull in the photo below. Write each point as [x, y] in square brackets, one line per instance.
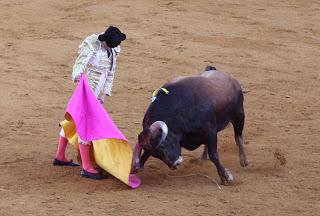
[189, 112]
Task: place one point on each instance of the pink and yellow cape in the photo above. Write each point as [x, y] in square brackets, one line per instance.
[85, 116]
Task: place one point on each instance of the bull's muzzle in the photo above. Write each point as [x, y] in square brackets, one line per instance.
[177, 162]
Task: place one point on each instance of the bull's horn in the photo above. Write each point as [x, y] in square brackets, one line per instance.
[155, 128]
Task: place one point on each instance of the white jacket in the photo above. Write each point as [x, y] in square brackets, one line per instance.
[99, 63]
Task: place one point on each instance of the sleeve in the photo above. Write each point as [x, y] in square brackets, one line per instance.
[109, 83]
[85, 54]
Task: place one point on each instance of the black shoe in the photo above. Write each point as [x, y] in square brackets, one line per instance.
[57, 162]
[97, 176]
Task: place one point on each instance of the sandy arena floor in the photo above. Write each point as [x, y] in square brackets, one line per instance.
[272, 48]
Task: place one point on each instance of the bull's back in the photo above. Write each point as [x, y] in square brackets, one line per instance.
[223, 88]
[214, 86]
[194, 95]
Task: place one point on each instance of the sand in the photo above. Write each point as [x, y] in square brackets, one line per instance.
[271, 47]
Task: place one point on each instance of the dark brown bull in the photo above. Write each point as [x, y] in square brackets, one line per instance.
[191, 114]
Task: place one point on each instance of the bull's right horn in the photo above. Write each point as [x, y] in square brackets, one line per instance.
[155, 129]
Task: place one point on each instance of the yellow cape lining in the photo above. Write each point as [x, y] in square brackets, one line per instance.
[112, 155]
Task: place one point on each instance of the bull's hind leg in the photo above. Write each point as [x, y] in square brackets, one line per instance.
[204, 155]
[238, 124]
[225, 174]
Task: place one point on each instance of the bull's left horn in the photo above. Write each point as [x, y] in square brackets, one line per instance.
[155, 128]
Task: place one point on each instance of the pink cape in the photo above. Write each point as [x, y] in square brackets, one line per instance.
[90, 117]
[86, 117]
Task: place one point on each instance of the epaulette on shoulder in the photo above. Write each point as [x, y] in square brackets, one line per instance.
[90, 42]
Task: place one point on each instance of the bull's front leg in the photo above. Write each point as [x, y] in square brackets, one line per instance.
[204, 155]
[138, 160]
[135, 166]
[144, 158]
[225, 174]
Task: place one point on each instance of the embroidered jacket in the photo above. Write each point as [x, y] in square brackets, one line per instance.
[99, 63]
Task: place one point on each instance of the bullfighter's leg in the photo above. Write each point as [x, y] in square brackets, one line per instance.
[60, 159]
[225, 174]
[88, 168]
[238, 124]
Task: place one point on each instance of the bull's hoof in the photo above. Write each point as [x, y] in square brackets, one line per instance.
[173, 167]
[244, 162]
[227, 178]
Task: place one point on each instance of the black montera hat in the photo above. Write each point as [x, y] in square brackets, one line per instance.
[112, 36]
